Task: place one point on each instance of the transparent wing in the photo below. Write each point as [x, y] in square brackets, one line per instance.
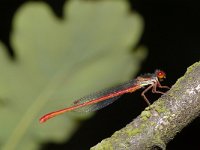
[103, 98]
[97, 106]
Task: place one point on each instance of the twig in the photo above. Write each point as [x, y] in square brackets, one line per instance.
[160, 122]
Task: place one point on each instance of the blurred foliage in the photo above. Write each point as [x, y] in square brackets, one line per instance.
[59, 61]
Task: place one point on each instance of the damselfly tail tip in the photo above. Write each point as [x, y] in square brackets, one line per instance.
[43, 119]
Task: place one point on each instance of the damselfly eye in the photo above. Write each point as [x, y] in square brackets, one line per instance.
[160, 74]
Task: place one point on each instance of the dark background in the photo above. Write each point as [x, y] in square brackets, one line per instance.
[172, 35]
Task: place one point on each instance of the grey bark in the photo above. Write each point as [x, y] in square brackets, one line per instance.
[159, 123]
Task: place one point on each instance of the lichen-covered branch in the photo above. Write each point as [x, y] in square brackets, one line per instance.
[160, 122]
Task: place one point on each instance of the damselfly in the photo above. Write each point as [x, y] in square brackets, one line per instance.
[105, 97]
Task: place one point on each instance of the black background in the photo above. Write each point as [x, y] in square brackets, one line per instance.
[172, 35]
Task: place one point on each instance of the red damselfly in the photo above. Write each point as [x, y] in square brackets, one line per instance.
[105, 97]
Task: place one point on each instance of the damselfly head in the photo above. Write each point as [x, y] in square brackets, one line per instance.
[160, 75]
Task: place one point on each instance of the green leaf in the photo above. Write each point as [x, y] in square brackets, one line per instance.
[59, 61]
